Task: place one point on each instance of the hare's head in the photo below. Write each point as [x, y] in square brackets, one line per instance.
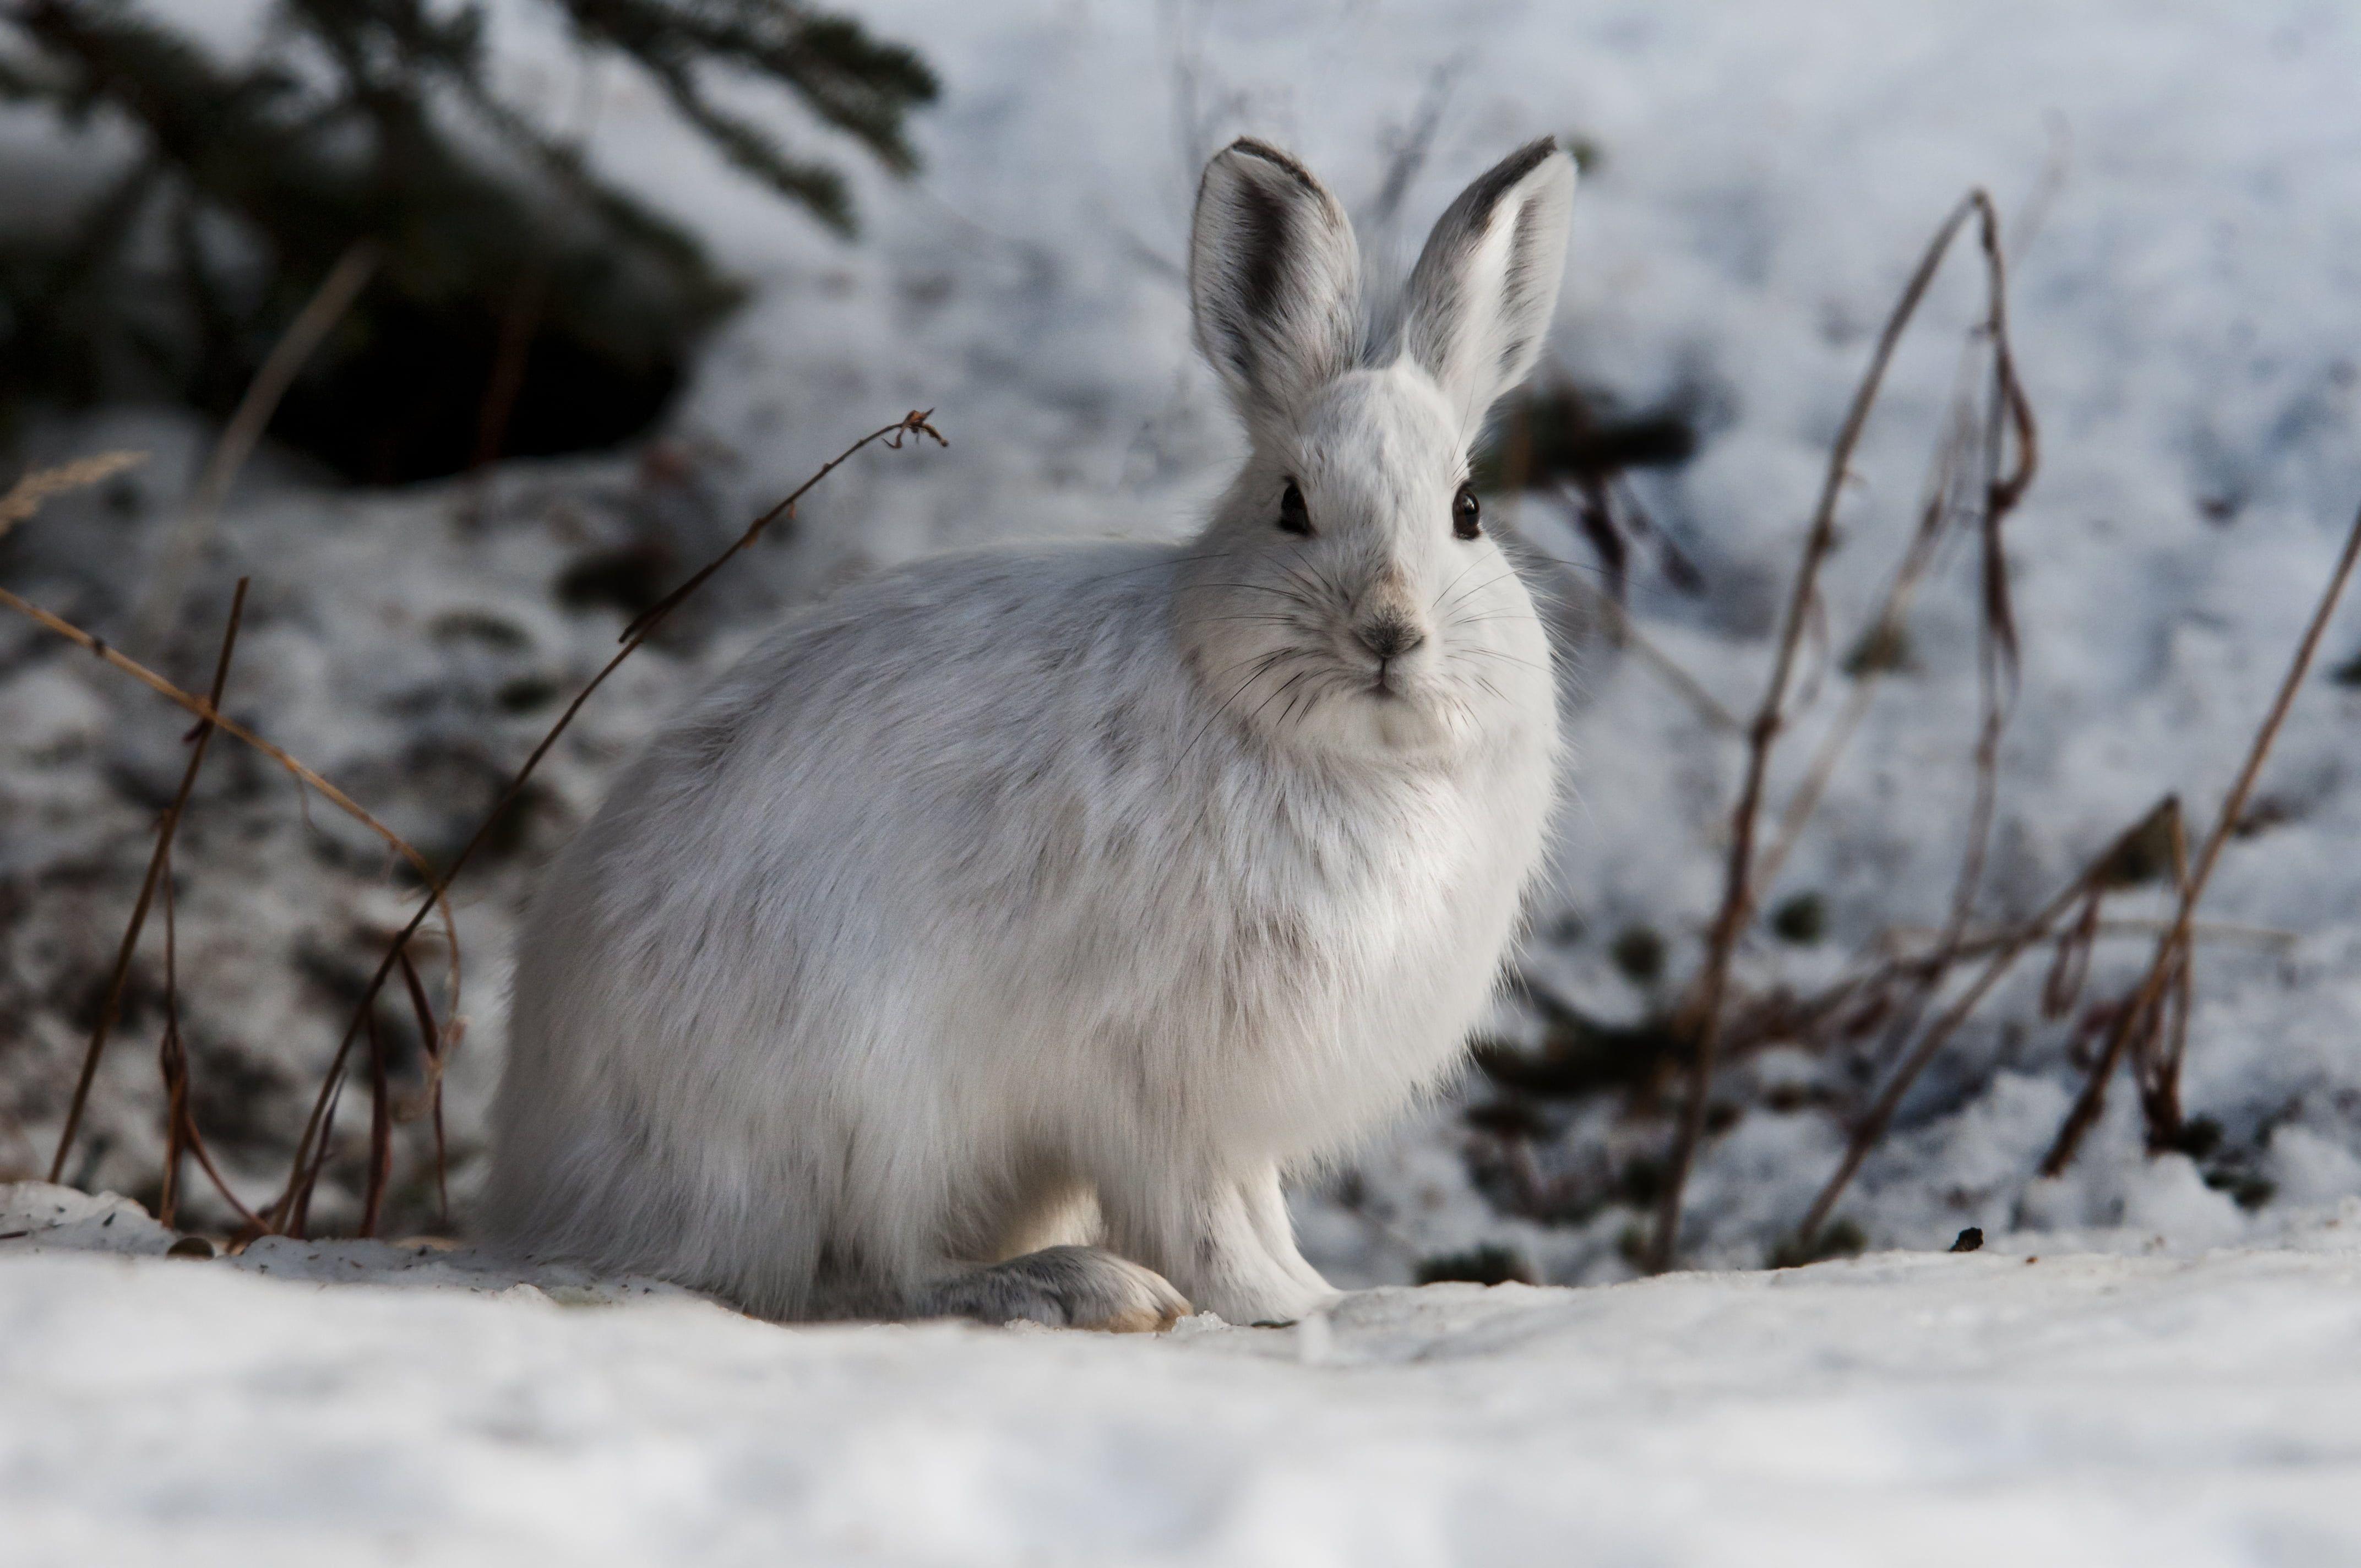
[1347, 596]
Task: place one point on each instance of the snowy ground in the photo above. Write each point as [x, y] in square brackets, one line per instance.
[1981, 1409]
[2184, 188]
[2184, 191]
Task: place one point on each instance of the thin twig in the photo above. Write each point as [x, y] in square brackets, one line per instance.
[205, 711]
[182, 1135]
[111, 1008]
[1919, 963]
[2164, 1119]
[1872, 1127]
[2010, 414]
[311, 1150]
[1627, 630]
[172, 1058]
[1938, 505]
[2172, 947]
[27, 495]
[286, 360]
[1997, 644]
[1737, 889]
[519, 323]
[381, 1145]
[1884, 637]
[1982, 940]
[431, 1040]
[197, 1145]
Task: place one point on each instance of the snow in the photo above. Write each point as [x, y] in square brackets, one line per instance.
[2173, 1381]
[1996, 1407]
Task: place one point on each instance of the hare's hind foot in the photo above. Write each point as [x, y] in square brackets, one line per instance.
[1064, 1287]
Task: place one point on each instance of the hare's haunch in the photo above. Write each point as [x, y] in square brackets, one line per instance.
[991, 940]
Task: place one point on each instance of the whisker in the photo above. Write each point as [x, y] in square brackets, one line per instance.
[1315, 588]
[1262, 665]
[1255, 589]
[1274, 697]
[1454, 582]
[1167, 561]
[1497, 653]
[1452, 625]
[1489, 582]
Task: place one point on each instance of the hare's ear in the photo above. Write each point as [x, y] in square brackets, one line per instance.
[1274, 278]
[1480, 298]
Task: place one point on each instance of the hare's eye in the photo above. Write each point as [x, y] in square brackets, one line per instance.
[1467, 514]
[1294, 517]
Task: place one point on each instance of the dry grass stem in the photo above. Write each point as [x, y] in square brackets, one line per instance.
[180, 1135]
[25, 499]
[205, 711]
[1703, 1011]
[2172, 960]
[2008, 413]
[1627, 632]
[1881, 648]
[380, 1142]
[287, 358]
[2086, 889]
[172, 1059]
[111, 1008]
[1981, 940]
[436, 1043]
[28, 495]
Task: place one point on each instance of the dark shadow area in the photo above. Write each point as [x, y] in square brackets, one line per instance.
[515, 302]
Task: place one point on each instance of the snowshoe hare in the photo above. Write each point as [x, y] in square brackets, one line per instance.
[992, 939]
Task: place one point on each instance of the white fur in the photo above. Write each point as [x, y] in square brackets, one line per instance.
[1073, 894]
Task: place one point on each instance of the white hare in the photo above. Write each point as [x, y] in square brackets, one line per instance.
[992, 939]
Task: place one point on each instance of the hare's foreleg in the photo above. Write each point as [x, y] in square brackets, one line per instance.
[1224, 1240]
[1065, 1287]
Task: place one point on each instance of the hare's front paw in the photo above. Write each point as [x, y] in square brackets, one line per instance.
[1064, 1287]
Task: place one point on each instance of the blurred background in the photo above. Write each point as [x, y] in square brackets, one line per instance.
[466, 328]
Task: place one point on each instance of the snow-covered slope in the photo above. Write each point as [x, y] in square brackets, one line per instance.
[1900, 1409]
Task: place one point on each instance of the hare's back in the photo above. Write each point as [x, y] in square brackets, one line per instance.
[943, 668]
[878, 738]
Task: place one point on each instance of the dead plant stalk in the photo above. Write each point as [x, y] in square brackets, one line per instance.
[180, 1134]
[2172, 947]
[2085, 888]
[183, 547]
[209, 714]
[1740, 887]
[27, 496]
[111, 1008]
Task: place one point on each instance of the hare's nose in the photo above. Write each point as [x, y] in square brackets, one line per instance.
[1389, 636]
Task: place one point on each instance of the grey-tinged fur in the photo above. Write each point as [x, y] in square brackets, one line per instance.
[1063, 1287]
[993, 938]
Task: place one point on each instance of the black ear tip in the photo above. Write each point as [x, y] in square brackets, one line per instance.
[1527, 159]
[1263, 152]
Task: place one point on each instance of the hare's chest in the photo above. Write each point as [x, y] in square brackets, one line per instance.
[1345, 966]
[1391, 908]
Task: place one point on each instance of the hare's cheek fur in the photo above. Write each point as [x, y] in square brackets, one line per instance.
[992, 939]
